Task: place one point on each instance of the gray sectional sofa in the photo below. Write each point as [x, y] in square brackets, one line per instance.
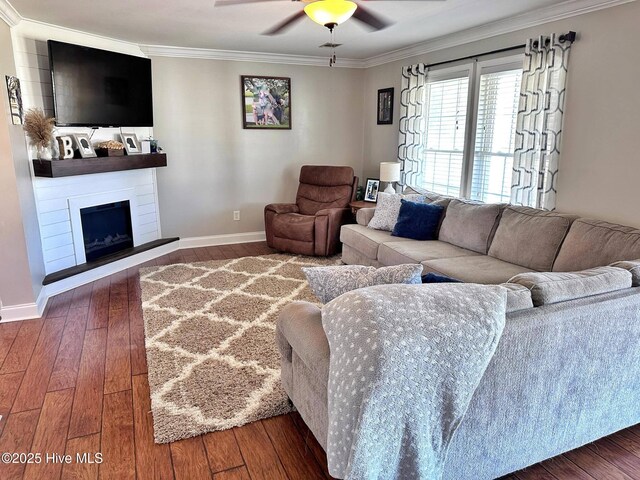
[567, 369]
[490, 243]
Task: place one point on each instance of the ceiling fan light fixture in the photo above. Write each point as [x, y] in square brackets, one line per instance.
[330, 13]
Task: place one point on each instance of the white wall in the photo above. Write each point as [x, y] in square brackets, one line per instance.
[599, 166]
[20, 255]
[216, 167]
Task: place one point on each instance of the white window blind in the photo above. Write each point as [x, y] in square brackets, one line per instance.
[445, 123]
[498, 99]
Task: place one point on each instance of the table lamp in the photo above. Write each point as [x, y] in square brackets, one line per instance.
[390, 172]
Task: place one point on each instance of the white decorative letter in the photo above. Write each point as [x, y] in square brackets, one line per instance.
[65, 145]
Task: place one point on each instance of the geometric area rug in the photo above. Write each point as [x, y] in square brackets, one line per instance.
[213, 362]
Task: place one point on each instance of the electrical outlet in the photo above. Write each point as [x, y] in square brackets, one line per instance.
[236, 215]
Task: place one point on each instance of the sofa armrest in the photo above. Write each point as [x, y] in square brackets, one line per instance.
[299, 329]
[282, 208]
[364, 216]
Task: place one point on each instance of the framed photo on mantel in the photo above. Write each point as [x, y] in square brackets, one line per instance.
[385, 106]
[266, 102]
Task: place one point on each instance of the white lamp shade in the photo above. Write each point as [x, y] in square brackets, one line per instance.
[390, 171]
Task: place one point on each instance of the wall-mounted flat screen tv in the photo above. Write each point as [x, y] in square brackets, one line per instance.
[97, 88]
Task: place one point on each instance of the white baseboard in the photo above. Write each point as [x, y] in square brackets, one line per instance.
[213, 240]
[27, 311]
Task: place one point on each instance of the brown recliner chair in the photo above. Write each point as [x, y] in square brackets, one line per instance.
[311, 226]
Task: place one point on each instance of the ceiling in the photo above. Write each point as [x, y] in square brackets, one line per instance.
[200, 24]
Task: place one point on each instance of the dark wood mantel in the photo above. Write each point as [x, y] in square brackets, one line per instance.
[84, 166]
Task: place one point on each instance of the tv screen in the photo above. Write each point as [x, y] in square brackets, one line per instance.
[97, 88]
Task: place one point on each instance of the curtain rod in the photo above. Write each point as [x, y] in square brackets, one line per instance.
[565, 37]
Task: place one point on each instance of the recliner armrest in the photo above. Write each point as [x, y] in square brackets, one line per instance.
[333, 212]
[282, 208]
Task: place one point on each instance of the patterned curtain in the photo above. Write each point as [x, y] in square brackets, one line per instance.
[539, 123]
[411, 141]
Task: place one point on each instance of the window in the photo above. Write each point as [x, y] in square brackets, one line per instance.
[469, 127]
[446, 119]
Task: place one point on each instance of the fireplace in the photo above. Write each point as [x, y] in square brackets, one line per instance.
[104, 223]
[106, 229]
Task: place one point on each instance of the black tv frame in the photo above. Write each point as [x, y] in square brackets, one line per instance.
[93, 125]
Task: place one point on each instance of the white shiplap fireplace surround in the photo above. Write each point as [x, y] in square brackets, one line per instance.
[59, 200]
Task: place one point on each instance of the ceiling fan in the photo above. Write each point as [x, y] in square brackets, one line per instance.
[328, 13]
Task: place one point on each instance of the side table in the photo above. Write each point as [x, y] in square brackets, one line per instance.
[355, 206]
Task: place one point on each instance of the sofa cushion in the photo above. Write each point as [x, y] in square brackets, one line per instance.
[293, 226]
[366, 240]
[418, 221]
[633, 266]
[397, 253]
[388, 208]
[518, 297]
[475, 269]
[470, 225]
[594, 243]
[530, 237]
[328, 283]
[554, 287]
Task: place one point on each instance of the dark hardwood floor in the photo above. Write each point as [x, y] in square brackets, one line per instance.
[75, 382]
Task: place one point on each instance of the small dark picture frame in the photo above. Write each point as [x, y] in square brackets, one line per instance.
[371, 190]
[131, 143]
[385, 106]
[266, 102]
[83, 142]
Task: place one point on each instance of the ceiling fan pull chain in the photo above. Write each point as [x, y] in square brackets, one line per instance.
[332, 59]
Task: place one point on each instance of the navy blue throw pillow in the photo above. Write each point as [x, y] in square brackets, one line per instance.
[435, 278]
[418, 221]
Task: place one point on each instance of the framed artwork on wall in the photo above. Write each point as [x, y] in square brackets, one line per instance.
[385, 106]
[131, 143]
[266, 102]
[371, 190]
[15, 99]
[83, 142]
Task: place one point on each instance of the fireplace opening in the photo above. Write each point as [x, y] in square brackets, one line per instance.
[106, 229]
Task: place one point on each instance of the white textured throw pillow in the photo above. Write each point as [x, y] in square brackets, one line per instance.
[328, 283]
[388, 208]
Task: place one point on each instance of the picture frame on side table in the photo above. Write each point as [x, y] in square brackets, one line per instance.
[131, 143]
[266, 102]
[385, 106]
[83, 143]
[371, 190]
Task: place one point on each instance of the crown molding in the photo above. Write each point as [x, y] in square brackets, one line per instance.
[240, 56]
[552, 13]
[560, 11]
[9, 14]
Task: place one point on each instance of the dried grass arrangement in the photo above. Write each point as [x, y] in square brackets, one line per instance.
[39, 128]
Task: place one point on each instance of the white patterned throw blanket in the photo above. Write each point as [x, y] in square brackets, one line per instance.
[405, 362]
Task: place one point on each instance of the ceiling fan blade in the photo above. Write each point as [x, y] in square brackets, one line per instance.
[282, 26]
[369, 18]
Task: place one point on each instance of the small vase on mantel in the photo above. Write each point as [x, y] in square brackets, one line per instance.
[43, 152]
